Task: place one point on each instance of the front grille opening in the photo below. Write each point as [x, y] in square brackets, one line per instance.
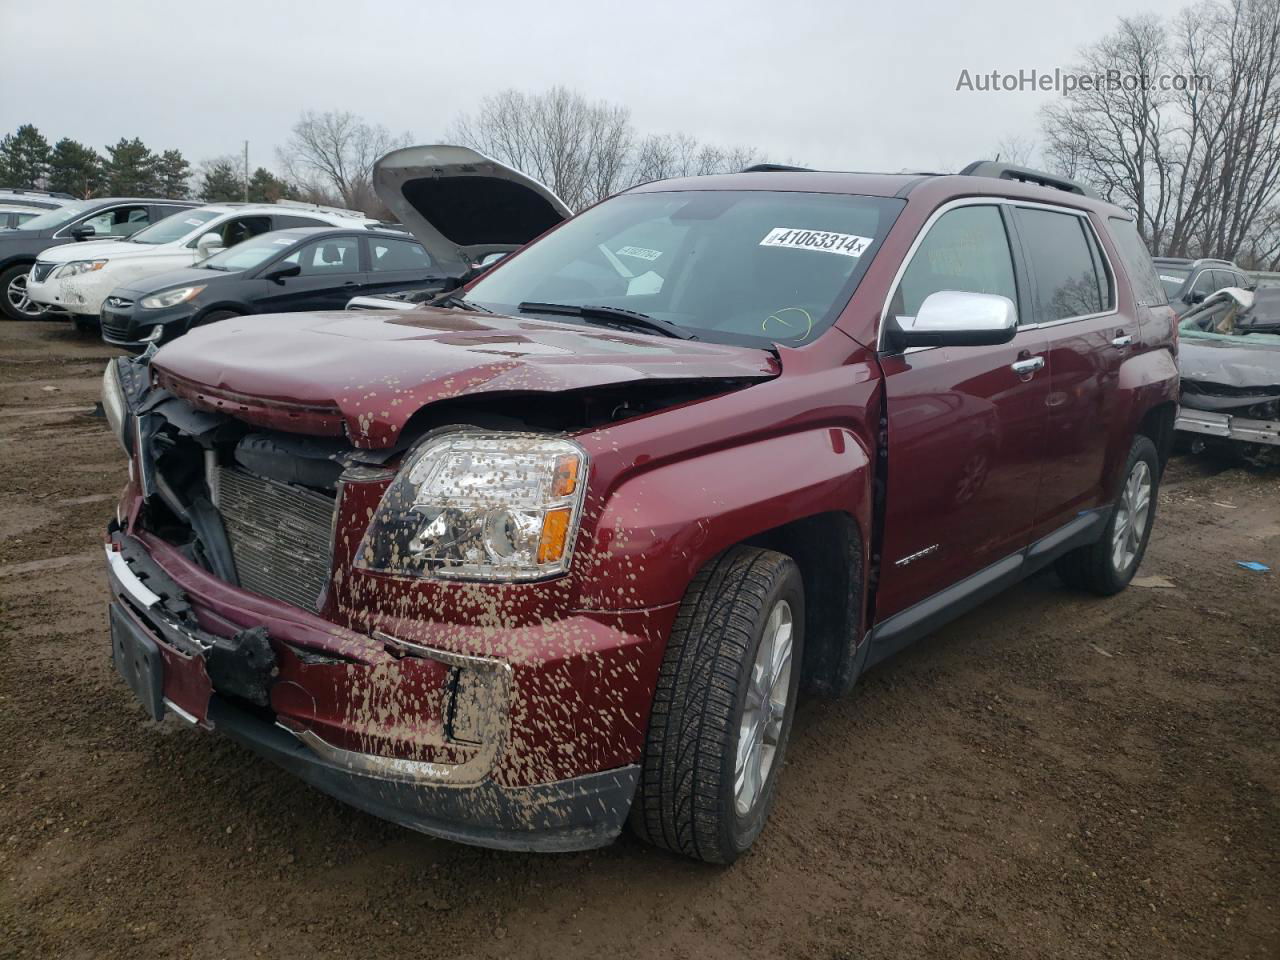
[281, 536]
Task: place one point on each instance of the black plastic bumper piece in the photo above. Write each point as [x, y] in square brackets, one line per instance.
[576, 814]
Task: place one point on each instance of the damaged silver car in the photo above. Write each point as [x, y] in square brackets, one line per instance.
[1229, 357]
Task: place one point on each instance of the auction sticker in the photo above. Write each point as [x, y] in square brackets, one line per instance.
[1171, 279]
[640, 253]
[823, 241]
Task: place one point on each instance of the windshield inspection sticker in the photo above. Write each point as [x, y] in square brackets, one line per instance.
[283, 241]
[845, 244]
[640, 253]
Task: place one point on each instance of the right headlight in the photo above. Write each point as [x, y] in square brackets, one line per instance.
[114, 407]
[480, 506]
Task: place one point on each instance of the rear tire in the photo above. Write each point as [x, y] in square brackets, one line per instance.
[14, 304]
[1106, 567]
[723, 707]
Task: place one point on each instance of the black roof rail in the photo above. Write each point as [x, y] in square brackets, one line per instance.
[1007, 171]
[774, 168]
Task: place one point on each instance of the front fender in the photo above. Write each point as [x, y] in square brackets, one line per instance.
[660, 525]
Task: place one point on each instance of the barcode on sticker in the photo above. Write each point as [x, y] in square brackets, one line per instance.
[640, 253]
[823, 241]
[1170, 279]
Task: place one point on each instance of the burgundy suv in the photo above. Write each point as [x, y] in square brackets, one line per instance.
[560, 549]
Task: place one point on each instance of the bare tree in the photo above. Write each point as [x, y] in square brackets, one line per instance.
[1019, 151]
[334, 153]
[1194, 151]
[577, 148]
[585, 151]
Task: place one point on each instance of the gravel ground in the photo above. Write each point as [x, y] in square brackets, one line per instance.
[1051, 776]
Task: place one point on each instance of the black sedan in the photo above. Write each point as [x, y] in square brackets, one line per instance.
[306, 268]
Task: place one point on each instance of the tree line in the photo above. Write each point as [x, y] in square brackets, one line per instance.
[128, 168]
[1198, 163]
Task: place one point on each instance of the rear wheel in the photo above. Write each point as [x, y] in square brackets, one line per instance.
[16, 305]
[723, 707]
[1106, 567]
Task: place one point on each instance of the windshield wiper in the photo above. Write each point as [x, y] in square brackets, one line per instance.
[616, 316]
[453, 300]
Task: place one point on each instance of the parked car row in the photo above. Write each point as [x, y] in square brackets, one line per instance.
[67, 223]
[561, 549]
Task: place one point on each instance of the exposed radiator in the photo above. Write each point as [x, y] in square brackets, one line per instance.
[281, 536]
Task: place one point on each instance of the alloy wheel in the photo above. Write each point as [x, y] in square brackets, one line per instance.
[765, 709]
[18, 299]
[1131, 517]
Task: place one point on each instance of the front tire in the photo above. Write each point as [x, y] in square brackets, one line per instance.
[723, 707]
[1106, 567]
[14, 302]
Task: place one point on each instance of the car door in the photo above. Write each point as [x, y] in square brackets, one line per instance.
[396, 264]
[965, 425]
[329, 275]
[1087, 338]
[119, 221]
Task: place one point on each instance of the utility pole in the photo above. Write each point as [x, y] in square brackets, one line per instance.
[246, 171]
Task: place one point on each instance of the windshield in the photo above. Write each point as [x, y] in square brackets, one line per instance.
[175, 227]
[1171, 278]
[56, 218]
[734, 266]
[247, 255]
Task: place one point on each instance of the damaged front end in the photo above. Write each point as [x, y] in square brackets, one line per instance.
[250, 597]
[1229, 361]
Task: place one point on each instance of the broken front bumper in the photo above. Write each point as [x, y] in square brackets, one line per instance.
[222, 683]
[1228, 426]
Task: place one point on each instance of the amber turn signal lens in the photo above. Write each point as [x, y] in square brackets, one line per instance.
[555, 534]
[565, 480]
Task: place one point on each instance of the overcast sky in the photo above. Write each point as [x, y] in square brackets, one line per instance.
[831, 83]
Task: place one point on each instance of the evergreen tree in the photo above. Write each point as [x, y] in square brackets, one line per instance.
[24, 158]
[220, 182]
[172, 175]
[266, 187]
[75, 169]
[131, 169]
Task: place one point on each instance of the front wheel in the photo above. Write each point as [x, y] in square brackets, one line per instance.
[16, 305]
[723, 707]
[1106, 567]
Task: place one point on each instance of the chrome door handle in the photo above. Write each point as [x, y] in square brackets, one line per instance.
[1024, 368]
[1122, 341]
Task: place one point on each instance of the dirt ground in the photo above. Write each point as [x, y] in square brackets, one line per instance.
[1051, 776]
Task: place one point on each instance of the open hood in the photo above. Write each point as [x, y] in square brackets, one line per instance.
[463, 205]
[364, 375]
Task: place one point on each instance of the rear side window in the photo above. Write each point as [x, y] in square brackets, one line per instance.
[288, 221]
[1150, 289]
[1066, 267]
[967, 250]
[389, 255]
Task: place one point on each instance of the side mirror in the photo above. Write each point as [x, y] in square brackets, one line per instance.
[282, 270]
[208, 245]
[1195, 296]
[951, 318]
[83, 232]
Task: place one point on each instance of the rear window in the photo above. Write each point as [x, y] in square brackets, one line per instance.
[1069, 278]
[1150, 289]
